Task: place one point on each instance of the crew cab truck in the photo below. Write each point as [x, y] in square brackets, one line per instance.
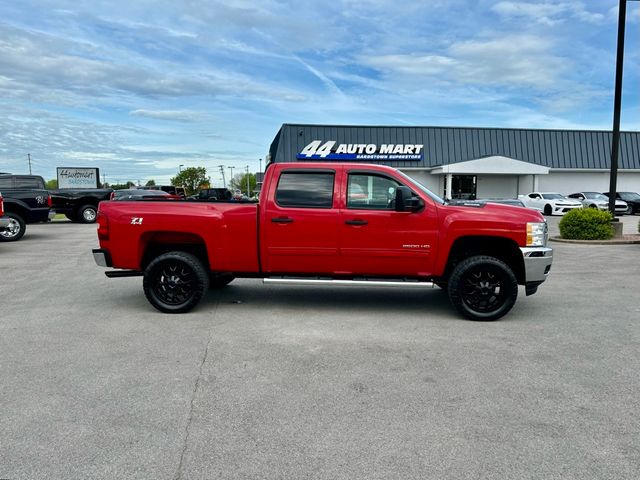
[24, 203]
[328, 223]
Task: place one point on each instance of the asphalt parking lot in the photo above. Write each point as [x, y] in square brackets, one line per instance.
[281, 382]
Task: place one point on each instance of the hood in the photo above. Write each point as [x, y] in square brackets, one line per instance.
[492, 211]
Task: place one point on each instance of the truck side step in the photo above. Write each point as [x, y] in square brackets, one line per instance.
[123, 273]
[348, 283]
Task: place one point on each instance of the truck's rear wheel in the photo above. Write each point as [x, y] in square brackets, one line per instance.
[175, 282]
[15, 230]
[483, 288]
[87, 214]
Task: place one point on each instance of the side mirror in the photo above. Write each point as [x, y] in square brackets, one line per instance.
[406, 201]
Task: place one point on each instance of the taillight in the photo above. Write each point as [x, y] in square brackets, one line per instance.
[49, 202]
[112, 196]
[103, 226]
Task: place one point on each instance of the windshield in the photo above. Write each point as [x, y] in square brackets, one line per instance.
[423, 188]
[629, 196]
[552, 196]
[595, 196]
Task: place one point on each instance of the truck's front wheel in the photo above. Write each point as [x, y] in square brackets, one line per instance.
[483, 288]
[175, 282]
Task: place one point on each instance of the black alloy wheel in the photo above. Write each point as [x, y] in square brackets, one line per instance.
[175, 282]
[483, 288]
[548, 210]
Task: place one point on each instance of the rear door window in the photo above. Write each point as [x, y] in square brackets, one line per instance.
[305, 189]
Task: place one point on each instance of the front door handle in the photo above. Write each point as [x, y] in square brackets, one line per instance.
[356, 222]
[282, 220]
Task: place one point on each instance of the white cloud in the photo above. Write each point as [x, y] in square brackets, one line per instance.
[518, 61]
[186, 116]
[548, 13]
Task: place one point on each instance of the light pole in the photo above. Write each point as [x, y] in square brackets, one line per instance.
[248, 192]
[231, 175]
[180, 167]
[617, 105]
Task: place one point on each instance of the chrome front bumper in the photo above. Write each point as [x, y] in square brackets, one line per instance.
[537, 263]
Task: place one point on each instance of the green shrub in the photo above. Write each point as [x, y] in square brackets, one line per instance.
[586, 224]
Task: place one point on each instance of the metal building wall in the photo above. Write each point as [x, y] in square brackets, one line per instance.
[446, 145]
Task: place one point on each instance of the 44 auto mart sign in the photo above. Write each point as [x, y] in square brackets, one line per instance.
[333, 150]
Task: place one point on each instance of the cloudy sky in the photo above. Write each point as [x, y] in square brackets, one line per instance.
[138, 87]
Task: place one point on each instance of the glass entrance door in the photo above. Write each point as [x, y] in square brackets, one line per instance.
[463, 187]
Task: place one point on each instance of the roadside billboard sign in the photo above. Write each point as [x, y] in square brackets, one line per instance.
[78, 177]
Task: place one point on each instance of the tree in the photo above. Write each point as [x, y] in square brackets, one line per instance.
[150, 183]
[239, 182]
[51, 184]
[192, 179]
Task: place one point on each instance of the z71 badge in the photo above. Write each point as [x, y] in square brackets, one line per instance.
[136, 220]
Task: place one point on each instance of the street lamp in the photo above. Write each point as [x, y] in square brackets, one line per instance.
[180, 168]
[617, 103]
[248, 192]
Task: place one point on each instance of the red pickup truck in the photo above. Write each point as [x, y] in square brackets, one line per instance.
[328, 223]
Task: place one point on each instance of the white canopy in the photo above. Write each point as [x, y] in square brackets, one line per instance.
[494, 165]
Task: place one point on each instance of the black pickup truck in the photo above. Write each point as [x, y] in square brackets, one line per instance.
[24, 202]
[79, 205]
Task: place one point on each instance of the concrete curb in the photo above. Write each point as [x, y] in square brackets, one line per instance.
[614, 241]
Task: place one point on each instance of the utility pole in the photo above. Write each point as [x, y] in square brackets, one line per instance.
[29, 157]
[224, 182]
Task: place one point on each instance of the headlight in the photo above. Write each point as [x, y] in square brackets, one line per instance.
[537, 234]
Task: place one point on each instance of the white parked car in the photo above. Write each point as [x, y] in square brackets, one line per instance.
[600, 201]
[550, 203]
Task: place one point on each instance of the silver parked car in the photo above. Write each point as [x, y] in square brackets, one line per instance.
[599, 201]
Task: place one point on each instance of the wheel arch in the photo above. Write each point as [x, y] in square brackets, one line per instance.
[154, 244]
[502, 248]
[17, 207]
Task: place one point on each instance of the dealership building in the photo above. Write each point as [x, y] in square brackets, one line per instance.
[457, 162]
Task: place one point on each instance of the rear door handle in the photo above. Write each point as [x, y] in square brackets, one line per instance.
[356, 222]
[282, 220]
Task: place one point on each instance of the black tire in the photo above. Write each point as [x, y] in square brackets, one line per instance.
[15, 230]
[175, 282]
[548, 210]
[220, 280]
[483, 288]
[593, 205]
[629, 210]
[87, 214]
